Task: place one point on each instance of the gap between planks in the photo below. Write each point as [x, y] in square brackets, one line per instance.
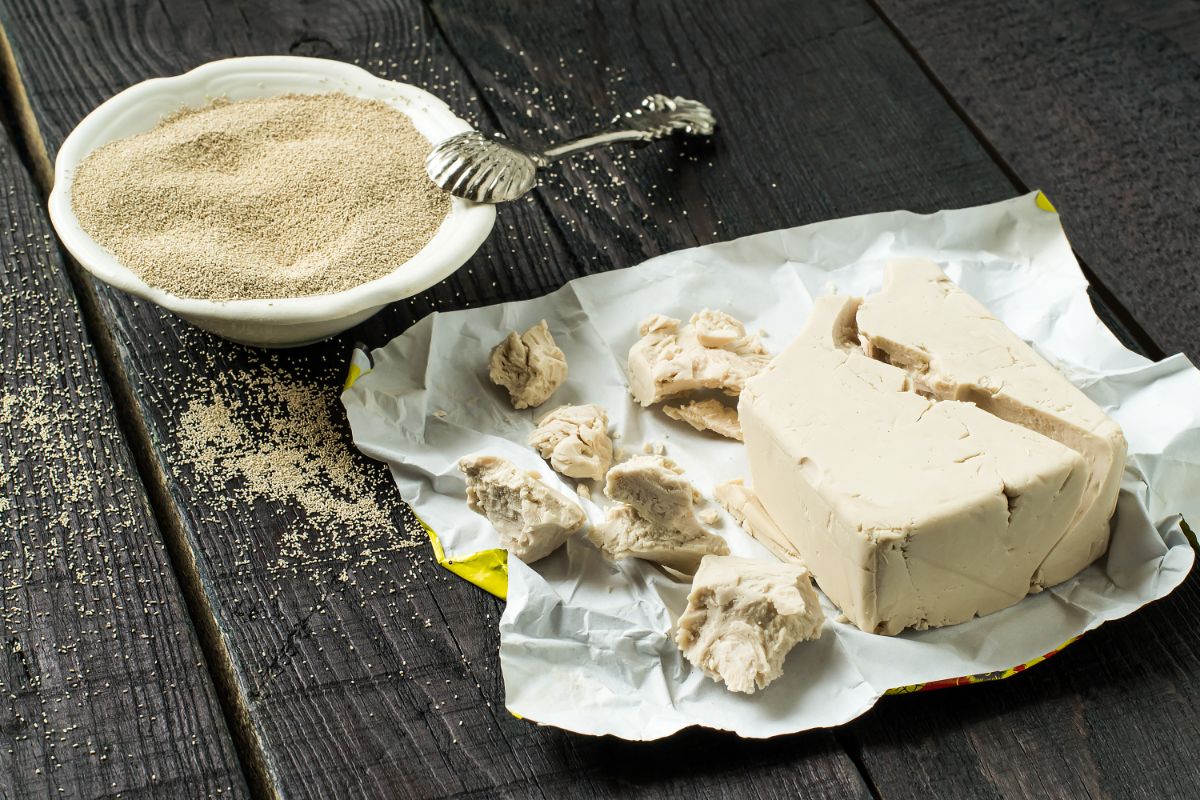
[31, 147]
[854, 753]
[1131, 326]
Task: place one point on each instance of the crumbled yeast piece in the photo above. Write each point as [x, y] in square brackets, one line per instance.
[655, 486]
[708, 415]
[717, 329]
[744, 616]
[713, 351]
[532, 519]
[574, 439]
[709, 516]
[742, 505]
[530, 366]
[626, 534]
[655, 518]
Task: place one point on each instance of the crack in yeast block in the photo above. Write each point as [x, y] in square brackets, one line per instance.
[953, 349]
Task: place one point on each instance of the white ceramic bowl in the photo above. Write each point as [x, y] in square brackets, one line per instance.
[287, 321]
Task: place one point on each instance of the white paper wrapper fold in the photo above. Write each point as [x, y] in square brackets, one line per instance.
[586, 645]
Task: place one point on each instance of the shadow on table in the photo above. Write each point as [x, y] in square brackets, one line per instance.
[1119, 703]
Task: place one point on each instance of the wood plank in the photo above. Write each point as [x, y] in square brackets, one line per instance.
[820, 112]
[1113, 715]
[1098, 104]
[839, 119]
[104, 686]
[788, 83]
[360, 674]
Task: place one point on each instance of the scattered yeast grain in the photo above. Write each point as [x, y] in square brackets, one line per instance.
[264, 435]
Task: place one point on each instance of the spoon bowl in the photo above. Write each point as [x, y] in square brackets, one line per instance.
[486, 170]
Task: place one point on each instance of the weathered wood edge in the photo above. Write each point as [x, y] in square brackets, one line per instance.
[137, 439]
[134, 505]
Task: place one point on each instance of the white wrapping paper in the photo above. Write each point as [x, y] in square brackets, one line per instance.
[586, 645]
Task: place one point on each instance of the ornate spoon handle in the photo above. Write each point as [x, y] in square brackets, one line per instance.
[658, 116]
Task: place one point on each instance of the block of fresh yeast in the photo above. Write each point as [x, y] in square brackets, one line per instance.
[915, 504]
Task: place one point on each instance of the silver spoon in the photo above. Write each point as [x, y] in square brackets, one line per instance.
[487, 170]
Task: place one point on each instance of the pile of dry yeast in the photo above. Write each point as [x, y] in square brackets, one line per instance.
[276, 197]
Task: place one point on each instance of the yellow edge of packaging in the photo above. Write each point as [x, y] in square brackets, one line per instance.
[360, 364]
[487, 569]
[981, 678]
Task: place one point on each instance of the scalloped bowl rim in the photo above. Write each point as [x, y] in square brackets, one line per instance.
[458, 237]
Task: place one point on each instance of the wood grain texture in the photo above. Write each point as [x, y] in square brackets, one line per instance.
[1113, 715]
[104, 687]
[820, 113]
[358, 676]
[1098, 103]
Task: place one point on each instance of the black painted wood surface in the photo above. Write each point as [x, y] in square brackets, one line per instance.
[354, 678]
[1098, 103]
[339, 687]
[821, 114]
[103, 687]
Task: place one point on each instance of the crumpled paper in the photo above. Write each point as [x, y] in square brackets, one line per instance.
[586, 645]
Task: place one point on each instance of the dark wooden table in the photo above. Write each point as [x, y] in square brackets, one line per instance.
[153, 648]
